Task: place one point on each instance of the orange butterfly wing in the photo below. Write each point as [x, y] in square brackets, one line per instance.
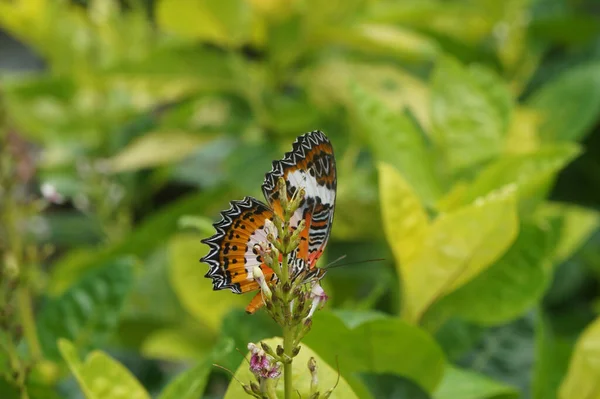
[232, 256]
[310, 165]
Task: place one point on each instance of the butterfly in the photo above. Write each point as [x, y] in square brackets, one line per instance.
[232, 255]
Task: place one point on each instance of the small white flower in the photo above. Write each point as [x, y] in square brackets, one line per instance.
[318, 297]
[50, 193]
[259, 277]
[270, 228]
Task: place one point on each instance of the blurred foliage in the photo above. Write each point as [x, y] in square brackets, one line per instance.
[467, 146]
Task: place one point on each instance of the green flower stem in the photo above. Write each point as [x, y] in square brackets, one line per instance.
[28, 322]
[288, 333]
[25, 307]
[12, 263]
[287, 296]
[288, 345]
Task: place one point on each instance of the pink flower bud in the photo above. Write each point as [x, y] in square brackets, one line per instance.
[263, 365]
[318, 297]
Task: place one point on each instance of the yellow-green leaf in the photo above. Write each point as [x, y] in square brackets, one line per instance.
[578, 224]
[523, 136]
[154, 149]
[458, 247]
[582, 380]
[227, 22]
[510, 286]
[328, 85]
[463, 22]
[395, 139]
[389, 39]
[528, 172]
[469, 111]
[404, 219]
[24, 18]
[177, 344]
[300, 376]
[100, 376]
[192, 288]
[188, 19]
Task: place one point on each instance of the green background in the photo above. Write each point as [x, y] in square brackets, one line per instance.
[466, 136]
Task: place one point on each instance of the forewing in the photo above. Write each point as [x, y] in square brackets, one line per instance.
[232, 256]
[310, 165]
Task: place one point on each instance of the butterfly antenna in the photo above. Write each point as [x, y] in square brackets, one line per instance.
[334, 262]
[354, 263]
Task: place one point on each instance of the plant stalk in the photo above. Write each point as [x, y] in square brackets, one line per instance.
[288, 336]
[288, 345]
[28, 322]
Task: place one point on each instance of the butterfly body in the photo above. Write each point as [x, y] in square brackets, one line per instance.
[233, 250]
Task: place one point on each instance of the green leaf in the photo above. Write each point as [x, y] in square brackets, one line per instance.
[389, 386]
[150, 234]
[582, 378]
[152, 299]
[361, 192]
[505, 353]
[470, 113]
[385, 39]
[72, 228]
[191, 383]
[190, 68]
[300, 376]
[188, 385]
[570, 103]
[566, 29]
[320, 15]
[192, 288]
[496, 91]
[88, 312]
[177, 344]
[464, 22]
[382, 345]
[9, 391]
[578, 224]
[457, 337]
[404, 220]
[459, 246]
[155, 149]
[227, 22]
[523, 133]
[510, 286]
[528, 172]
[395, 139]
[354, 318]
[465, 384]
[179, 340]
[100, 376]
[552, 353]
[334, 81]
